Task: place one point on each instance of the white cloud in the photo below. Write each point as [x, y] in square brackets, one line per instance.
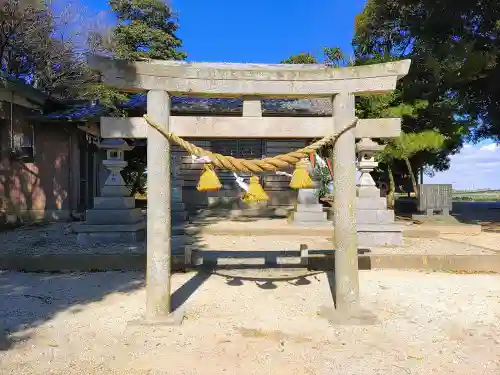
[475, 167]
[491, 147]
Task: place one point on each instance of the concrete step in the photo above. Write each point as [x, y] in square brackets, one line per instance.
[379, 227]
[310, 224]
[90, 238]
[374, 239]
[247, 258]
[95, 217]
[117, 260]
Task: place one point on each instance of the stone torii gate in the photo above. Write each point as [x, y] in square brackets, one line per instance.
[252, 82]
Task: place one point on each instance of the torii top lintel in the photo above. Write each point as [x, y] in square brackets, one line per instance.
[234, 79]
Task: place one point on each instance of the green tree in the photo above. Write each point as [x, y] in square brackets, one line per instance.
[332, 56]
[146, 30]
[427, 98]
[301, 58]
[36, 47]
[455, 49]
[404, 148]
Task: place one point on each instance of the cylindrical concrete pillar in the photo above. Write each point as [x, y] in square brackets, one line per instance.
[159, 209]
[344, 206]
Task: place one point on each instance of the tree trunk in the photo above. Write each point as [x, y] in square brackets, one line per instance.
[412, 176]
[136, 184]
[392, 189]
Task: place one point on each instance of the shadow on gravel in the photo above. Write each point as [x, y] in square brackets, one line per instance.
[29, 300]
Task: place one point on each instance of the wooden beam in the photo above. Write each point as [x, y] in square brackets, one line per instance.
[283, 80]
[91, 128]
[249, 127]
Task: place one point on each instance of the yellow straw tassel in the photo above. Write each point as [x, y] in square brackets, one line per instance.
[208, 180]
[255, 192]
[300, 177]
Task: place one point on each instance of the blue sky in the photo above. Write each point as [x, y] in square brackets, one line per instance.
[475, 167]
[268, 31]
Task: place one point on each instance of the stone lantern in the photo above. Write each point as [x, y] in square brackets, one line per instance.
[366, 163]
[376, 224]
[114, 218]
[114, 186]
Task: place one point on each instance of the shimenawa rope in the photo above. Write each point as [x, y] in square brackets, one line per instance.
[270, 164]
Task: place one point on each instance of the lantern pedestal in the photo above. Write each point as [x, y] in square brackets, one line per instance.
[114, 218]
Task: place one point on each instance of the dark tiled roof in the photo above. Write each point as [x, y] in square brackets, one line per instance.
[76, 113]
[188, 105]
[22, 88]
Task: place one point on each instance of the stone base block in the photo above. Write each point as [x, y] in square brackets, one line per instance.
[175, 318]
[368, 192]
[130, 216]
[375, 216]
[114, 203]
[372, 235]
[110, 237]
[115, 191]
[370, 216]
[307, 218]
[436, 218]
[371, 203]
[106, 233]
[309, 208]
[309, 214]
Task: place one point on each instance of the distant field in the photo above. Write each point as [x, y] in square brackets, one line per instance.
[477, 196]
[468, 196]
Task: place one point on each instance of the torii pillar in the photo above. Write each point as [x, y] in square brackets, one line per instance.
[344, 220]
[159, 214]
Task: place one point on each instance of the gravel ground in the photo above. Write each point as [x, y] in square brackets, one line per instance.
[58, 238]
[485, 240]
[429, 323]
[52, 238]
[433, 246]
